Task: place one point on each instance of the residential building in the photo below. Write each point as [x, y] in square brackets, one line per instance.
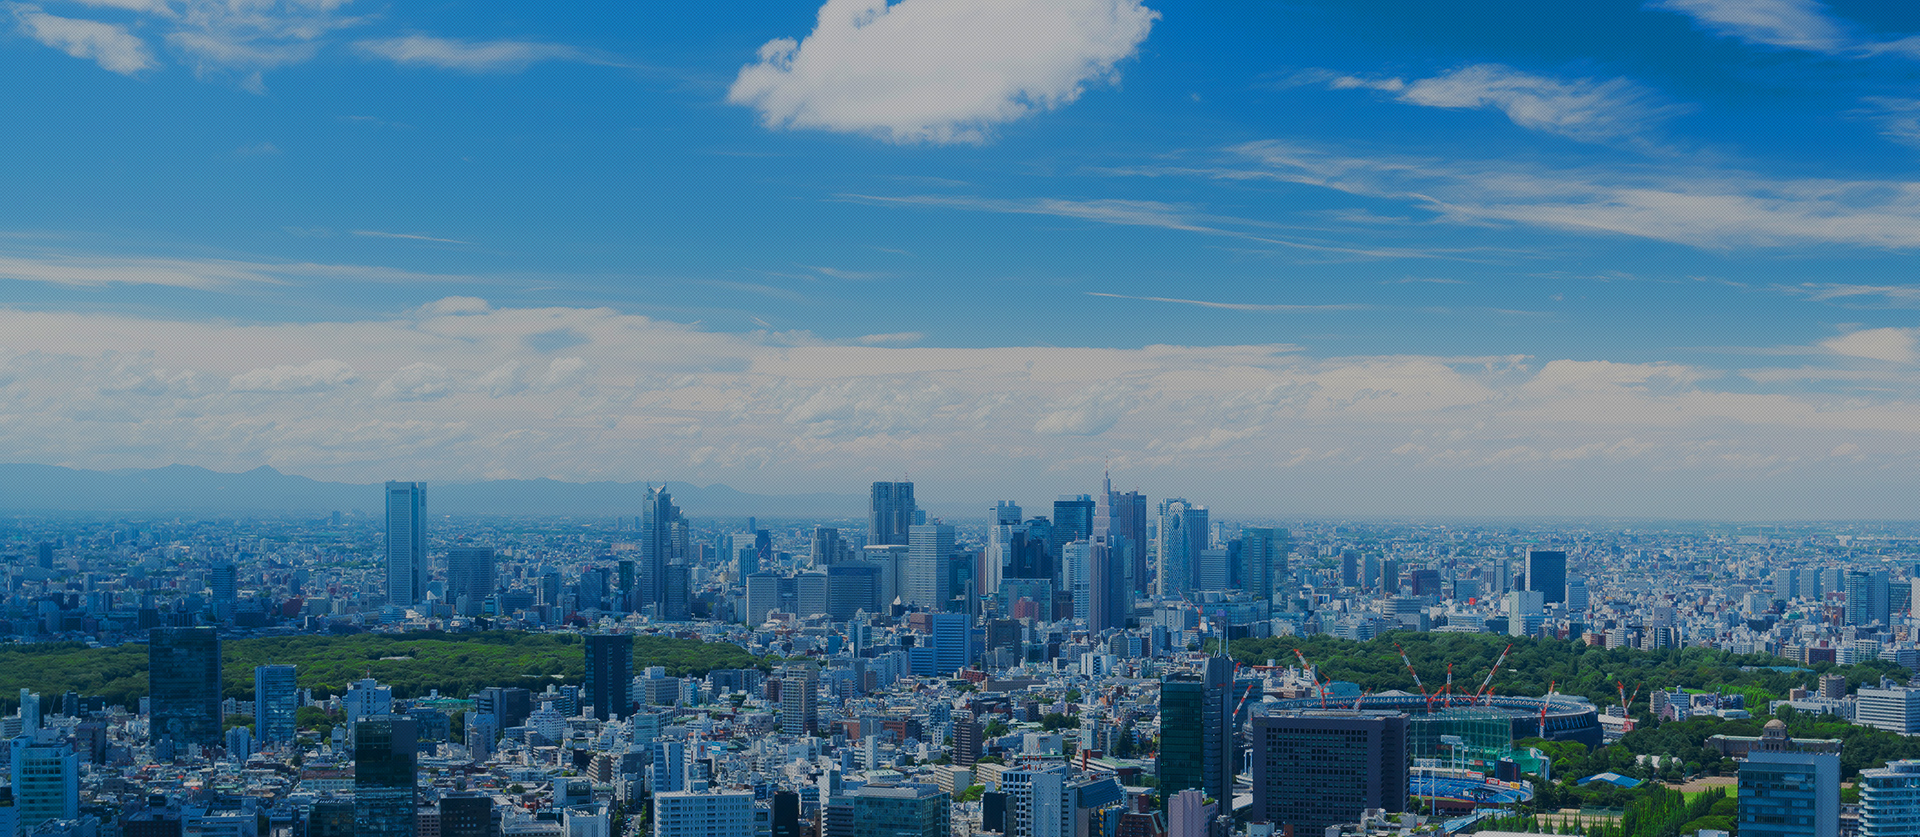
[1890, 799]
[699, 813]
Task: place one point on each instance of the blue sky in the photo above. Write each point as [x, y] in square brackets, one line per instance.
[1648, 258]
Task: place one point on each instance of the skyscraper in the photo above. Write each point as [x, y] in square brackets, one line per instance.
[276, 699]
[1196, 736]
[1263, 557]
[890, 511]
[886, 809]
[1182, 535]
[609, 674]
[1317, 768]
[385, 759]
[930, 546]
[1072, 520]
[183, 672]
[799, 698]
[1122, 519]
[470, 576]
[1868, 602]
[1547, 573]
[406, 543]
[1890, 800]
[1109, 601]
[46, 782]
[662, 542]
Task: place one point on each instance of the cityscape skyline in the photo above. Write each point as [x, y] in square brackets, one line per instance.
[1647, 259]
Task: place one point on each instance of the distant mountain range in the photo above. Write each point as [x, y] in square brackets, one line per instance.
[50, 489]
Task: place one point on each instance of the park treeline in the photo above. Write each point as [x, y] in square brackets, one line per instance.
[414, 664]
[1571, 668]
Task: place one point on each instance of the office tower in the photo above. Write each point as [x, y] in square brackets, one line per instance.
[662, 543]
[700, 813]
[591, 589]
[1370, 572]
[44, 551]
[1072, 520]
[385, 757]
[799, 698]
[1890, 800]
[511, 705]
[1196, 737]
[811, 594]
[763, 596]
[183, 671]
[1349, 568]
[1122, 520]
[1889, 707]
[626, 576]
[46, 782]
[1525, 612]
[224, 581]
[1077, 577]
[826, 547]
[1788, 794]
[276, 698]
[1427, 582]
[406, 543]
[968, 738]
[1577, 596]
[1182, 535]
[29, 711]
[470, 576]
[890, 513]
[1867, 598]
[886, 809]
[852, 586]
[609, 674]
[466, 814]
[1547, 574]
[1264, 561]
[331, 818]
[947, 649]
[930, 546]
[669, 766]
[1109, 600]
[1356, 761]
[1037, 803]
[1006, 513]
[676, 599]
[1215, 568]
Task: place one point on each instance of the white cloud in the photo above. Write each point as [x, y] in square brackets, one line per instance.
[468, 56]
[315, 376]
[110, 45]
[1588, 110]
[460, 394]
[1894, 345]
[1798, 24]
[940, 71]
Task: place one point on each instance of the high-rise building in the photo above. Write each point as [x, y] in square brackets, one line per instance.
[663, 538]
[1109, 599]
[1122, 520]
[928, 550]
[827, 547]
[46, 782]
[224, 581]
[1547, 574]
[1525, 612]
[385, 761]
[406, 543]
[1790, 794]
[1867, 598]
[1889, 707]
[799, 698]
[1039, 803]
[1890, 799]
[466, 814]
[183, 672]
[1181, 537]
[276, 700]
[1316, 768]
[1263, 559]
[676, 599]
[609, 674]
[1577, 597]
[968, 736]
[890, 513]
[470, 577]
[1196, 737]
[1072, 520]
[1189, 814]
[947, 649]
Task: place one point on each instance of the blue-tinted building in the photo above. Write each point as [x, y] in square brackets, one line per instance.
[1786, 794]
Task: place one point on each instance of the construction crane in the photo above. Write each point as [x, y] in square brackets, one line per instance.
[1416, 675]
[1313, 676]
[1626, 703]
[1485, 693]
[1544, 703]
[1447, 690]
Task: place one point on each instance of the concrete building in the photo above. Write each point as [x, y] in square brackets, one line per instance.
[1890, 800]
[696, 813]
[46, 782]
[1317, 768]
[1790, 795]
[1888, 707]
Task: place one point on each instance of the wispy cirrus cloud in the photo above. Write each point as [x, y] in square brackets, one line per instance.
[79, 269]
[109, 45]
[938, 71]
[1236, 306]
[504, 56]
[1795, 24]
[1588, 110]
[407, 237]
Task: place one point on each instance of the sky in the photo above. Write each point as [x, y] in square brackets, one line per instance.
[1463, 258]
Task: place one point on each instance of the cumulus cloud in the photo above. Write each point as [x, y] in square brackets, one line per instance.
[939, 71]
[1090, 413]
[416, 382]
[109, 45]
[314, 376]
[1894, 345]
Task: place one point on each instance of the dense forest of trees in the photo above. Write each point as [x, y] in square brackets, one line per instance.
[414, 664]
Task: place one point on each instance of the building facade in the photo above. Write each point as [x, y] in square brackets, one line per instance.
[183, 670]
[1785, 794]
[276, 700]
[406, 543]
[1317, 768]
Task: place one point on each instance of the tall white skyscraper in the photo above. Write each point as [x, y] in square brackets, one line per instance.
[406, 543]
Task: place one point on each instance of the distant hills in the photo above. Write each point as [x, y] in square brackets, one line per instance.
[175, 489]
